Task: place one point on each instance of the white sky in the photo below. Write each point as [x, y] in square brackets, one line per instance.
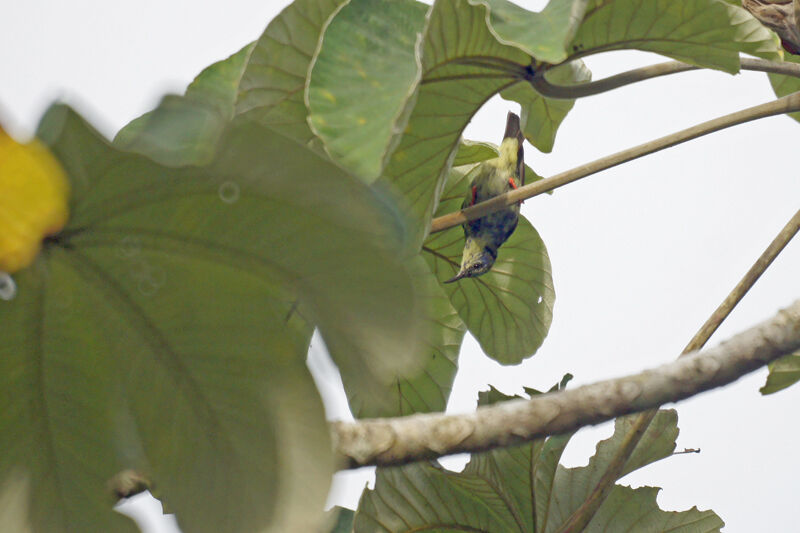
[641, 253]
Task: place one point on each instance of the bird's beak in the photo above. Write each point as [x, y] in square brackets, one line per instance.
[457, 276]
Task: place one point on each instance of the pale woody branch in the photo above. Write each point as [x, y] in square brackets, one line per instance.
[396, 441]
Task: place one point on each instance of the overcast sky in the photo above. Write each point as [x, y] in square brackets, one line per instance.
[641, 254]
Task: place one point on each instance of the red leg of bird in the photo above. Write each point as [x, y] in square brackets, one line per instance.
[514, 186]
[474, 195]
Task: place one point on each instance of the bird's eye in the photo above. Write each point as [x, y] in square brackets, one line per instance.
[477, 266]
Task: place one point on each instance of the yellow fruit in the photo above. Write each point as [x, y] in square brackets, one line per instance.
[33, 200]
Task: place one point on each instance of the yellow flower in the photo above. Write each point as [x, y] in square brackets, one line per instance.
[33, 200]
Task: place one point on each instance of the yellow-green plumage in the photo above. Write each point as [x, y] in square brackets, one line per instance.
[490, 178]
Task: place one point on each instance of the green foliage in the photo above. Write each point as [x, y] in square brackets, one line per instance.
[429, 389]
[290, 188]
[541, 117]
[342, 520]
[545, 35]
[463, 65]
[452, 88]
[363, 77]
[508, 309]
[190, 277]
[707, 33]
[524, 489]
[272, 86]
[783, 373]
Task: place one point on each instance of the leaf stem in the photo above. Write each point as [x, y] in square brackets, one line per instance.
[569, 92]
[787, 104]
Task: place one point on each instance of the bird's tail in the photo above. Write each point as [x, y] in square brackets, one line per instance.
[514, 131]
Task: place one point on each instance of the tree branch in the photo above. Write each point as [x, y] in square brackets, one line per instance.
[396, 441]
[788, 104]
[584, 514]
[547, 89]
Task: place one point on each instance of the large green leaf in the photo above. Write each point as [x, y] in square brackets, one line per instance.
[474, 152]
[161, 320]
[783, 373]
[540, 116]
[332, 239]
[463, 65]
[428, 390]
[363, 81]
[273, 83]
[509, 309]
[58, 429]
[185, 130]
[523, 489]
[707, 33]
[783, 85]
[544, 35]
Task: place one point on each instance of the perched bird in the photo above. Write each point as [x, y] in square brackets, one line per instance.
[489, 179]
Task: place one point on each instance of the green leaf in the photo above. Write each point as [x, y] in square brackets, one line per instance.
[628, 509]
[185, 130]
[509, 309]
[782, 374]
[544, 35]
[57, 425]
[273, 83]
[523, 489]
[162, 319]
[191, 345]
[363, 79]
[428, 390]
[470, 152]
[706, 33]
[463, 65]
[333, 240]
[342, 519]
[625, 508]
[783, 85]
[541, 117]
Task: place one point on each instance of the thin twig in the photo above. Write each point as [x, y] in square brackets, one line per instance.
[569, 92]
[581, 517]
[787, 104]
[687, 450]
[767, 257]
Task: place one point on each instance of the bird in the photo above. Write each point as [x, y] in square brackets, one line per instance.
[490, 178]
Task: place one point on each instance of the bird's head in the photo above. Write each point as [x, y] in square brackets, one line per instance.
[477, 259]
